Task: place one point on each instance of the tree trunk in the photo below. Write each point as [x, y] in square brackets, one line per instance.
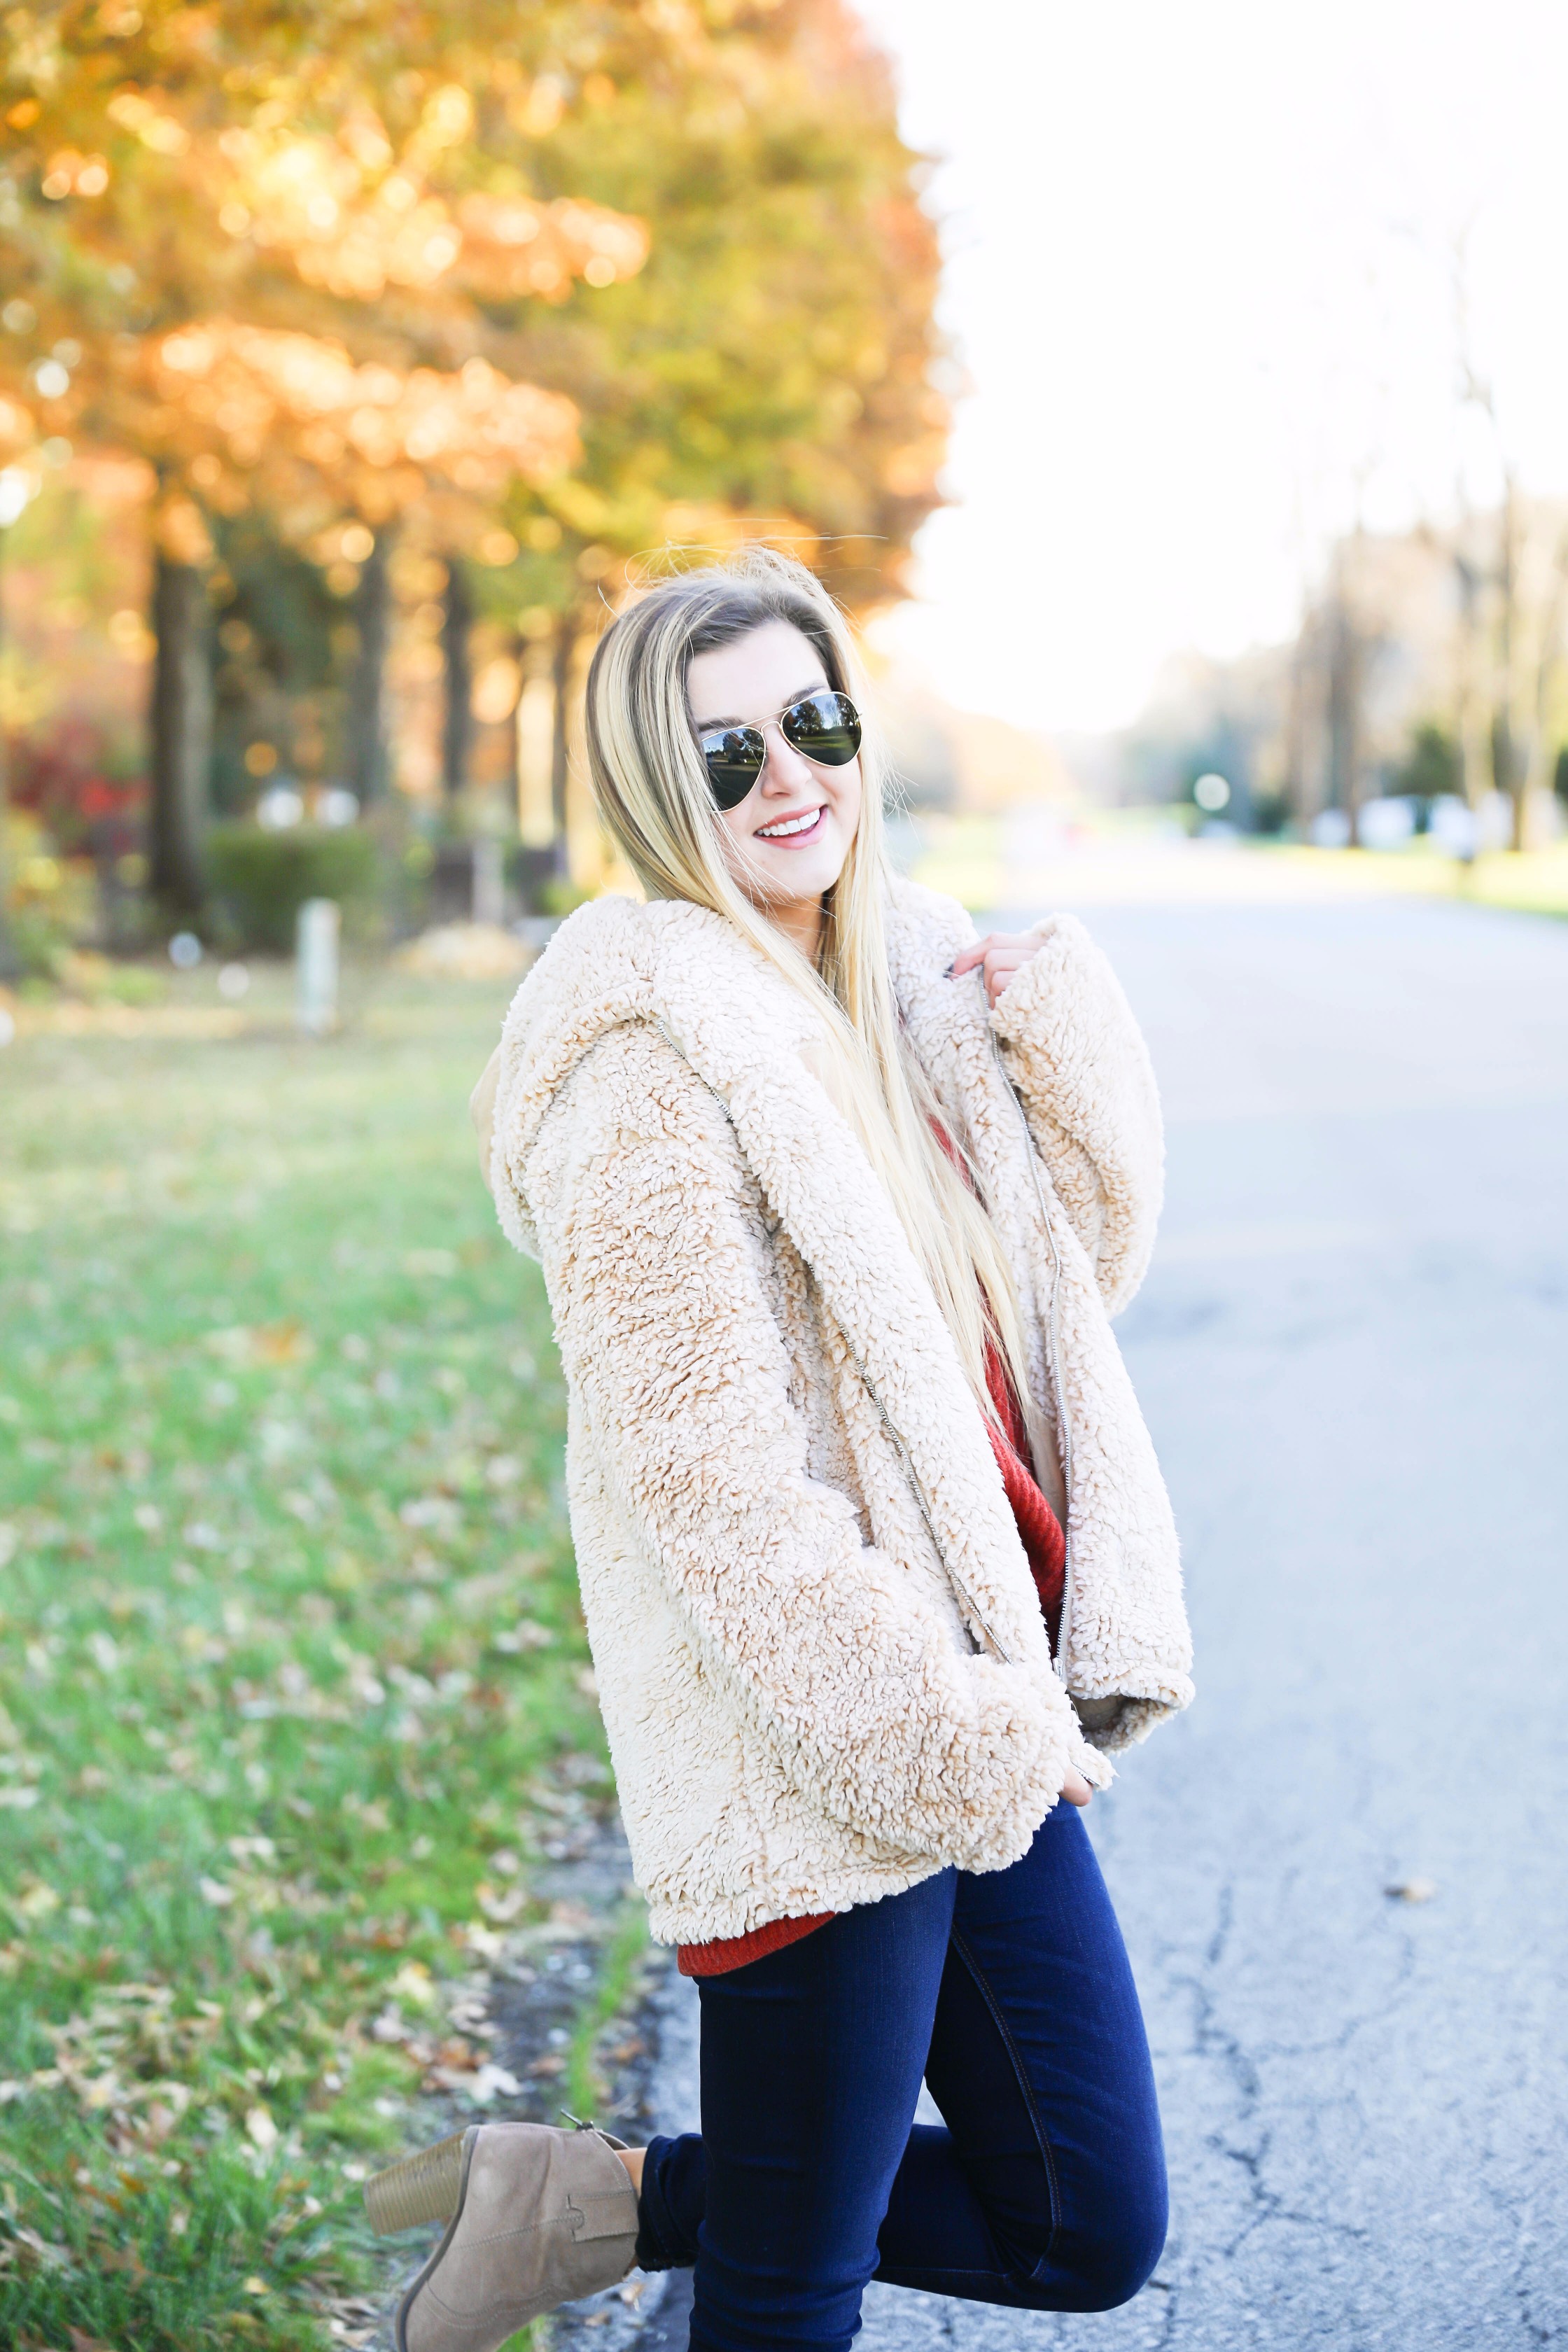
[562, 655]
[10, 961]
[1539, 769]
[370, 747]
[457, 722]
[1507, 767]
[1296, 729]
[182, 723]
[1466, 701]
[536, 737]
[1344, 716]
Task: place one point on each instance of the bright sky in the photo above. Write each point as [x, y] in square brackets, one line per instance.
[1201, 271]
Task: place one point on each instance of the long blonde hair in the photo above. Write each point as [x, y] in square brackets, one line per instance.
[651, 786]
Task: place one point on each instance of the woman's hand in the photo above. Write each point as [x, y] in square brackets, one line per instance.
[1002, 954]
[1076, 1790]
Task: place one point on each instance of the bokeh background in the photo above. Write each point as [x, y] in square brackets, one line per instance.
[1177, 401]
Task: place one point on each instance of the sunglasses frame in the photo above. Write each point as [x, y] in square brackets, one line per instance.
[725, 794]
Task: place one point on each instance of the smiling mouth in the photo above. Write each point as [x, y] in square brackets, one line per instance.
[793, 828]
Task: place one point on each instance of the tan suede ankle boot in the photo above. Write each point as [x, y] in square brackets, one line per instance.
[536, 2217]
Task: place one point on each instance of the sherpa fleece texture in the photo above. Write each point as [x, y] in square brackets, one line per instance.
[819, 1652]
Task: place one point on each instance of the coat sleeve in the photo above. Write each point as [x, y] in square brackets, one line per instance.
[1078, 1059]
[654, 1250]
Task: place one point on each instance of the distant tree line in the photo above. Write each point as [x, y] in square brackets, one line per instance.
[1429, 664]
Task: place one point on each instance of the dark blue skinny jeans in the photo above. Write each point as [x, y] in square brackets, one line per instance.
[1045, 2188]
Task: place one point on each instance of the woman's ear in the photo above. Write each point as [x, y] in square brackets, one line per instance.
[482, 1110]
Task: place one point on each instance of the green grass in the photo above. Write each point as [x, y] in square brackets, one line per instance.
[586, 2089]
[288, 1625]
[968, 856]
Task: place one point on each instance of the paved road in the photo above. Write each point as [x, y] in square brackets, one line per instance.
[1353, 1352]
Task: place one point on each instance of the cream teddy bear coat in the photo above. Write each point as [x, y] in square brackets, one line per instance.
[818, 1648]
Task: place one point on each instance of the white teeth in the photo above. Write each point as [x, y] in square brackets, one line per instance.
[792, 825]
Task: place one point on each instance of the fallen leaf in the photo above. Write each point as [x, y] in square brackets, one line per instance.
[262, 1343]
[414, 1983]
[1412, 1890]
[527, 1634]
[485, 1943]
[438, 1511]
[439, 1261]
[490, 2079]
[48, 2255]
[120, 2258]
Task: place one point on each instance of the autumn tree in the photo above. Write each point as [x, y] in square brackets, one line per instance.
[271, 245]
[241, 245]
[776, 367]
[777, 356]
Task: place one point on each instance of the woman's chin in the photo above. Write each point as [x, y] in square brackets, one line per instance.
[788, 877]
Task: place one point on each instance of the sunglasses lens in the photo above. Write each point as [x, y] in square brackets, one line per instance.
[824, 726]
[734, 758]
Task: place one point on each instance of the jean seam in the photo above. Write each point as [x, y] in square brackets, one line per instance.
[1042, 2139]
[969, 2287]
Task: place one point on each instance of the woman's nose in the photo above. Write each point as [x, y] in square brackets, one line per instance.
[784, 768]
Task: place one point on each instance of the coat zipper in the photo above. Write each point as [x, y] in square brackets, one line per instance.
[917, 1490]
[902, 1451]
[1053, 1336]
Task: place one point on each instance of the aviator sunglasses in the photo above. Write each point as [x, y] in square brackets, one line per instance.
[824, 726]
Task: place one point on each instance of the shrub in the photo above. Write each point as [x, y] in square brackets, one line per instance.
[560, 896]
[258, 880]
[1431, 768]
[47, 899]
[1270, 814]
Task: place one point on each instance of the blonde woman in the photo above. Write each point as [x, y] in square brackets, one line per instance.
[834, 1201]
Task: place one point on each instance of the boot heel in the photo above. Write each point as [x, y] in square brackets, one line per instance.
[424, 2188]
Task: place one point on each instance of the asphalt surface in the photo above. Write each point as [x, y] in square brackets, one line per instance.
[1352, 1349]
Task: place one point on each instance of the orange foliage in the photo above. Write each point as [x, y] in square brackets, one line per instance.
[353, 219]
[247, 396]
[512, 246]
[217, 270]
